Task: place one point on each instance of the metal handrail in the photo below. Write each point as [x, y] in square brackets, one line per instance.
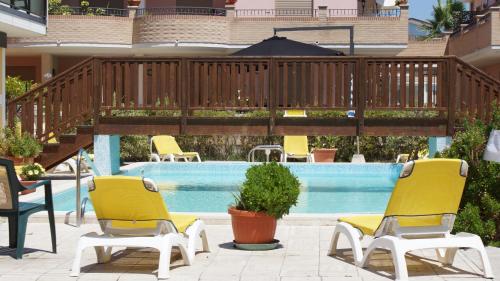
[81, 204]
[267, 150]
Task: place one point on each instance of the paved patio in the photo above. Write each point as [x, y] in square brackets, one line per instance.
[302, 256]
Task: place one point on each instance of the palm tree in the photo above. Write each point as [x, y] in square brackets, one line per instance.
[446, 17]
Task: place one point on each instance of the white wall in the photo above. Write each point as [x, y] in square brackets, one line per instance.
[336, 4]
[254, 4]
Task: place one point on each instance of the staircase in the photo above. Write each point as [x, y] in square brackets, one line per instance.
[68, 145]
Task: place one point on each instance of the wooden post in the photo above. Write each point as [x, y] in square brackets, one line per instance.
[361, 95]
[271, 102]
[184, 96]
[451, 92]
[97, 91]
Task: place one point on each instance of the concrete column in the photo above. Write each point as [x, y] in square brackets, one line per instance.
[438, 144]
[107, 154]
[47, 61]
[230, 11]
[322, 13]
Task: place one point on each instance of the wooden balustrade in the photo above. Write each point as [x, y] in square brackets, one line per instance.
[98, 87]
[57, 105]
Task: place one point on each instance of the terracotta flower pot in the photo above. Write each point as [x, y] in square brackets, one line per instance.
[230, 2]
[251, 227]
[324, 154]
[18, 161]
[134, 3]
[27, 183]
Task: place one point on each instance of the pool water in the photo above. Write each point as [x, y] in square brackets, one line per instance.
[209, 186]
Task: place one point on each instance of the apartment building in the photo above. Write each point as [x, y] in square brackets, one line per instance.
[478, 40]
[25, 18]
[201, 27]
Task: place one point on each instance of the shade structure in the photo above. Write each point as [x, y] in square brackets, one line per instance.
[281, 46]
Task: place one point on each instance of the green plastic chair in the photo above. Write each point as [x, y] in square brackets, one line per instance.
[18, 212]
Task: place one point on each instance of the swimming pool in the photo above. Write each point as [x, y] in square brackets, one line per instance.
[208, 186]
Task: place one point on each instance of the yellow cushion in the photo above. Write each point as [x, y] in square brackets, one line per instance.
[166, 145]
[368, 224]
[296, 145]
[433, 187]
[182, 222]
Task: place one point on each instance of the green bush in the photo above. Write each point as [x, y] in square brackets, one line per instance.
[57, 8]
[15, 87]
[270, 188]
[375, 149]
[134, 148]
[480, 207]
[21, 145]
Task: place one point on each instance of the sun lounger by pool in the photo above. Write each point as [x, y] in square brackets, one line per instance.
[167, 149]
[132, 213]
[420, 215]
[296, 147]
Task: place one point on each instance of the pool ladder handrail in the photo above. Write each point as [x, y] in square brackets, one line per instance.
[81, 204]
[267, 148]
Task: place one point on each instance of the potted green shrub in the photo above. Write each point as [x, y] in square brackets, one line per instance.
[22, 148]
[267, 194]
[29, 175]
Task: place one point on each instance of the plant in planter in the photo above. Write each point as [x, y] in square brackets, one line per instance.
[30, 174]
[24, 148]
[267, 194]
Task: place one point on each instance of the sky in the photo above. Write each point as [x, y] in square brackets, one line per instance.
[421, 9]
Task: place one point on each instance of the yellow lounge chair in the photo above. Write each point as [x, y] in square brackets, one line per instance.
[132, 213]
[296, 147]
[420, 215]
[168, 149]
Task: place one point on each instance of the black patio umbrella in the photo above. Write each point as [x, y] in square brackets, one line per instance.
[281, 46]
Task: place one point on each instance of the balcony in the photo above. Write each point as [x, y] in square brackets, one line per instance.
[478, 41]
[214, 30]
[23, 18]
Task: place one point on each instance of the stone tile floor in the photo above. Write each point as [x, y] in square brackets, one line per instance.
[302, 256]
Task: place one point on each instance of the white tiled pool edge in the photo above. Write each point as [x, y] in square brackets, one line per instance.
[208, 218]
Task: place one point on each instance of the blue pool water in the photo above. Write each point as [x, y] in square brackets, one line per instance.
[208, 187]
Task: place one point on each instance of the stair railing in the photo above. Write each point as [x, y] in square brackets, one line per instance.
[57, 105]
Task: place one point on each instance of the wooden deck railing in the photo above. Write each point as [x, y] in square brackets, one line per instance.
[57, 105]
[100, 86]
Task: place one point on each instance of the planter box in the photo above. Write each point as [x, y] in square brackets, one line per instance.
[27, 183]
[324, 154]
[21, 161]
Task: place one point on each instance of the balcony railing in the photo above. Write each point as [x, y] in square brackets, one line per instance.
[364, 13]
[90, 11]
[331, 13]
[195, 11]
[31, 9]
[276, 13]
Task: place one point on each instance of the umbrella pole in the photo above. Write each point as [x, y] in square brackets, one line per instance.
[357, 144]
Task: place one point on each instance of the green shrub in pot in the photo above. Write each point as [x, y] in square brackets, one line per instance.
[267, 194]
[269, 188]
[22, 146]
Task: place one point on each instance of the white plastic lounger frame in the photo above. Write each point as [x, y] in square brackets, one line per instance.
[155, 157]
[399, 240]
[162, 238]
[104, 243]
[398, 245]
[309, 157]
